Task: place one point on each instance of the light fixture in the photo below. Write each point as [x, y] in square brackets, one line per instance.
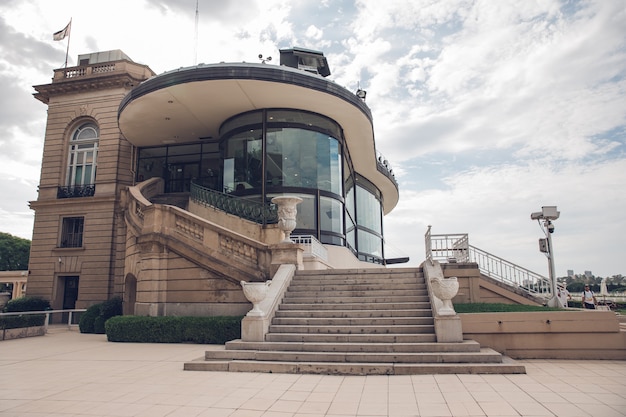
[361, 94]
[269, 58]
[547, 215]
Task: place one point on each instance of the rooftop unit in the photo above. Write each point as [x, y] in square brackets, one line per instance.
[306, 60]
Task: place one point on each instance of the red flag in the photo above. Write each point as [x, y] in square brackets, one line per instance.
[62, 34]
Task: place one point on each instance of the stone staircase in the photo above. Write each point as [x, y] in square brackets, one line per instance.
[355, 322]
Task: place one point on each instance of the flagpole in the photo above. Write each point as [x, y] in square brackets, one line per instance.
[69, 37]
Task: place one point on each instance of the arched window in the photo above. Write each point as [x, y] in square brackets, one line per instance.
[81, 168]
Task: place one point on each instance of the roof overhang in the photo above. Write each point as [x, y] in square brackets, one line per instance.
[190, 104]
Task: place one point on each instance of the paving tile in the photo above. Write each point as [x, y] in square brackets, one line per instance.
[134, 380]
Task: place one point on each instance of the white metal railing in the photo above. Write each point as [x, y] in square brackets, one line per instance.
[456, 248]
[312, 246]
[48, 313]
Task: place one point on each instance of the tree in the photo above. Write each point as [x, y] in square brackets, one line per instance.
[14, 253]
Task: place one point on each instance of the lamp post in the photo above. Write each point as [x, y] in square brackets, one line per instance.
[547, 215]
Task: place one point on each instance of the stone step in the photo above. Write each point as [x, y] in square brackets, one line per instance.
[360, 293]
[362, 272]
[330, 299]
[465, 346]
[422, 305]
[484, 356]
[351, 338]
[355, 322]
[334, 368]
[371, 313]
[352, 321]
[355, 287]
[339, 281]
[364, 329]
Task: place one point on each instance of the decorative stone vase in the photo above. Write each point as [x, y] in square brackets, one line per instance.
[255, 292]
[287, 212]
[445, 289]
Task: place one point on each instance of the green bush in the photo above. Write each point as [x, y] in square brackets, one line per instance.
[92, 320]
[16, 322]
[87, 319]
[27, 304]
[98, 325]
[204, 330]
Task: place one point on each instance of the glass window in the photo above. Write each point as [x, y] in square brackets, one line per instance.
[243, 161]
[72, 232]
[82, 158]
[370, 244]
[304, 119]
[251, 119]
[331, 215]
[303, 158]
[369, 211]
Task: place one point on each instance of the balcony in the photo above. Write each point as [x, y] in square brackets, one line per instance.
[76, 191]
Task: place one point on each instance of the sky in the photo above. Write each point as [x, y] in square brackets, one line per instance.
[487, 110]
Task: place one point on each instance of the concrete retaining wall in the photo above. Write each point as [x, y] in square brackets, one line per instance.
[548, 335]
[8, 334]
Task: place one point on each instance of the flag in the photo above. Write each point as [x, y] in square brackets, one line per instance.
[63, 33]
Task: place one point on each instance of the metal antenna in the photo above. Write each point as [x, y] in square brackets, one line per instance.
[195, 47]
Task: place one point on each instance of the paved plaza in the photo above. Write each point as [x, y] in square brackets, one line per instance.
[66, 373]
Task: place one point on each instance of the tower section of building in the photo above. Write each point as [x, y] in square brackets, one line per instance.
[77, 248]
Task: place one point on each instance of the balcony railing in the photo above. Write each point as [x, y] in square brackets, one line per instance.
[75, 191]
[312, 246]
[383, 165]
[238, 206]
[453, 248]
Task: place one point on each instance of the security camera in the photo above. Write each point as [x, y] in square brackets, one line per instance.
[547, 213]
[550, 227]
[550, 212]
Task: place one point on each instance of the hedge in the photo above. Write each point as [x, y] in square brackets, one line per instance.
[21, 304]
[203, 330]
[92, 320]
[16, 322]
[27, 304]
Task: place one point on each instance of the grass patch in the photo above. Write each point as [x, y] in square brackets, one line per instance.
[499, 308]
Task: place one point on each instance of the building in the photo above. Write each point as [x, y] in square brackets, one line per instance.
[158, 189]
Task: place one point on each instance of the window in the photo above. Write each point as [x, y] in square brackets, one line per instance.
[81, 168]
[72, 232]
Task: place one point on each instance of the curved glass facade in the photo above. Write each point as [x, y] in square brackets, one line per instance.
[271, 152]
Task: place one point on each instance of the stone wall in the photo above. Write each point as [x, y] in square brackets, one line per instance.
[574, 334]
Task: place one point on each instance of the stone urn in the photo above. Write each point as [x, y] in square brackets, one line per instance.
[255, 292]
[287, 212]
[445, 289]
[4, 299]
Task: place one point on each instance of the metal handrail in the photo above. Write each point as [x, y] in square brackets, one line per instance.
[48, 313]
[456, 248]
[505, 271]
[238, 206]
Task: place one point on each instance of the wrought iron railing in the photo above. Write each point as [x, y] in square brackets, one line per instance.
[238, 206]
[75, 191]
[456, 248]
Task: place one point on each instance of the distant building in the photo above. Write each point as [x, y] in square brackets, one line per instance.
[588, 274]
[570, 273]
[158, 188]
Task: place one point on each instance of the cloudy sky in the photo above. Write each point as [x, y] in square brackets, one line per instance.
[487, 110]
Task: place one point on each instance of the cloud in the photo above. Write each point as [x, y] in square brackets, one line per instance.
[486, 110]
[493, 205]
